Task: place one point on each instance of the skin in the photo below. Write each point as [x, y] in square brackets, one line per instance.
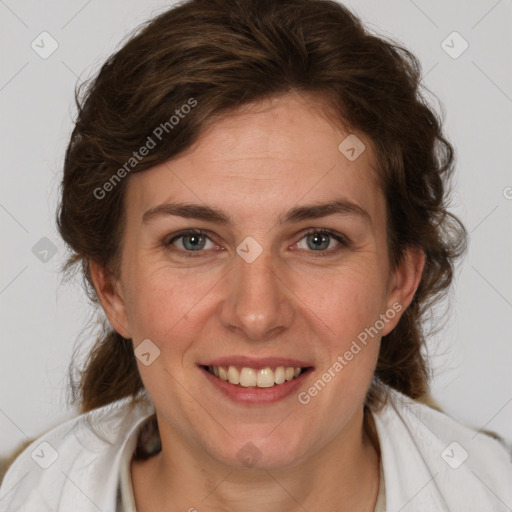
[257, 164]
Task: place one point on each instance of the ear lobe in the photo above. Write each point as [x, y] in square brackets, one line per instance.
[405, 282]
[111, 300]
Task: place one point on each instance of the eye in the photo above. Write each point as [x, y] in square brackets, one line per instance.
[190, 241]
[319, 240]
[196, 241]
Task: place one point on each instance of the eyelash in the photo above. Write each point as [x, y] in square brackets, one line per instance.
[342, 239]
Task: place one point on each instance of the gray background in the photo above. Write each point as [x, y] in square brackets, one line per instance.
[41, 317]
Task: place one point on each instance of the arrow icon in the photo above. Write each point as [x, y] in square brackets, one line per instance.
[44, 250]
[44, 455]
[147, 352]
[351, 147]
[454, 45]
[249, 249]
[44, 45]
[454, 455]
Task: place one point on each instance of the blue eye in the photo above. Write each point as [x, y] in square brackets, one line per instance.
[321, 239]
[196, 241]
[193, 240]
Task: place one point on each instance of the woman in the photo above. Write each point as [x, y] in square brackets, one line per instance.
[255, 192]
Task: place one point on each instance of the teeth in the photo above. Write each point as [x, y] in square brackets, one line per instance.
[265, 378]
[279, 375]
[249, 377]
[233, 375]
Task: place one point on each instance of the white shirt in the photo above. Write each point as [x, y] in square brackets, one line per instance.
[430, 462]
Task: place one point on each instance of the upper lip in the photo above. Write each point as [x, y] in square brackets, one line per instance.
[256, 362]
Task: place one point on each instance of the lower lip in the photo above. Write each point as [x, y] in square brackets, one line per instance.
[255, 395]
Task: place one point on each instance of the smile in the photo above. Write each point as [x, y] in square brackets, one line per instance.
[250, 377]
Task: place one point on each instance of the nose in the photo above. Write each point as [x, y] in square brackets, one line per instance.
[258, 303]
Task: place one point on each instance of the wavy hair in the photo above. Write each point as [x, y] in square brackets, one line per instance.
[228, 53]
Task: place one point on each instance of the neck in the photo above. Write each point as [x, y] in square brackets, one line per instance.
[342, 476]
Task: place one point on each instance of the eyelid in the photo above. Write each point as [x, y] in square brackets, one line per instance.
[342, 239]
[191, 231]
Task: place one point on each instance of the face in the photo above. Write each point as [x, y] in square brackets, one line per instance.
[272, 282]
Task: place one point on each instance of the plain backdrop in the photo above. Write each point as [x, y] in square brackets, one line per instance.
[42, 318]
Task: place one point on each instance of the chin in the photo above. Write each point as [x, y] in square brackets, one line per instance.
[260, 453]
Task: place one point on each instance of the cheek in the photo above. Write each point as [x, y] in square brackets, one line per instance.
[166, 305]
[156, 304]
[345, 301]
[170, 305]
[348, 321]
[345, 313]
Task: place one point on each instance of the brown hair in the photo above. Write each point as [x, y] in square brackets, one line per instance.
[220, 55]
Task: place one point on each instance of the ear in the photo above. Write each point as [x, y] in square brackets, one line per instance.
[403, 285]
[109, 293]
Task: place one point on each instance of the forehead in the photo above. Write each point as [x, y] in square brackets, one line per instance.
[269, 156]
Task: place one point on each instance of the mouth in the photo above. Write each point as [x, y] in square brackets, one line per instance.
[249, 377]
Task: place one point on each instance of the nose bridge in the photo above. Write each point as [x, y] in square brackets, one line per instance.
[257, 301]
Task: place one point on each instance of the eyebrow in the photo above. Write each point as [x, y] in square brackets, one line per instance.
[341, 206]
